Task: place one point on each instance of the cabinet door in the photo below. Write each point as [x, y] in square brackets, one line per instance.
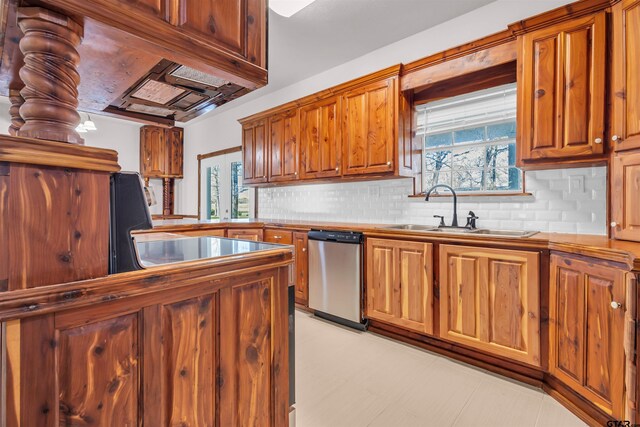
[233, 24]
[245, 234]
[625, 204]
[586, 332]
[489, 300]
[254, 152]
[301, 281]
[320, 136]
[399, 283]
[175, 138]
[283, 147]
[152, 151]
[561, 91]
[625, 132]
[369, 128]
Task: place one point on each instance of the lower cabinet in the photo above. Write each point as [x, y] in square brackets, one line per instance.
[399, 283]
[301, 281]
[587, 310]
[490, 300]
[255, 234]
[210, 359]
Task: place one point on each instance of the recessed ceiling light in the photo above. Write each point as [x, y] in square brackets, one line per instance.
[288, 8]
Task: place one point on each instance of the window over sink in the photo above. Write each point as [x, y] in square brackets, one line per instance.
[469, 141]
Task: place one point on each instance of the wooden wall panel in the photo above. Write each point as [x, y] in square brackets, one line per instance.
[98, 373]
[59, 225]
[190, 361]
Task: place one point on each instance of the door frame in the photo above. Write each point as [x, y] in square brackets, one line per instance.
[205, 156]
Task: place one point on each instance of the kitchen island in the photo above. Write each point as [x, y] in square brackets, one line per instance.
[198, 337]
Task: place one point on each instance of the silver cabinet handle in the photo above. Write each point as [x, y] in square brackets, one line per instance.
[616, 138]
[613, 224]
[388, 163]
[304, 249]
[615, 305]
[295, 173]
[337, 169]
[598, 141]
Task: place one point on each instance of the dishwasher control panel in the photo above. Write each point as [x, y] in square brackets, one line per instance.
[336, 236]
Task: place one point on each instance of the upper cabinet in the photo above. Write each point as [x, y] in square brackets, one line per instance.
[370, 128]
[351, 131]
[254, 152]
[161, 152]
[320, 139]
[625, 204]
[625, 123]
[561, 92]
[283, 146]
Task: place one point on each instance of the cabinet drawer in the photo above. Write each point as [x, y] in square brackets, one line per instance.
[245, 234]
[219, 232]
[278, 236]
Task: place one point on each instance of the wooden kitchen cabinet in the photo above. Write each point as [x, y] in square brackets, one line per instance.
[161, 152]
[283, 146]
[399, 283]
[254, 152]
[283, 237]
[625, 114]
[301, 281]
[370, 128]
[254, 234]
[561, 92]
[625, 203]
[219, 232]
[490, 300]
[586, 329]
[320, 139]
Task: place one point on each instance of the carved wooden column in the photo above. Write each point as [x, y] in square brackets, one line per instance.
[167, 196]
[14, 111]
[50, 75]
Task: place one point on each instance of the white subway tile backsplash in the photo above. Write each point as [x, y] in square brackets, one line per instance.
[551, 207]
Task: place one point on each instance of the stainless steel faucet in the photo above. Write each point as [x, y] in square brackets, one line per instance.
[454, 223]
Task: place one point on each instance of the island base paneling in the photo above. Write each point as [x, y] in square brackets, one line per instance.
[197, 355]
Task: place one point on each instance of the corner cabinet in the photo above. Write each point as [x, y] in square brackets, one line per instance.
[625, 126]
[320, 139]
[490, 300]
[370, 127]
[561, 91]
[254, 152]
[586, 328]
[399, 288]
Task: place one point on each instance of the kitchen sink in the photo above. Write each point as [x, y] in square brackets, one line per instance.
[505, 233]
[462, 230]
[412, 227]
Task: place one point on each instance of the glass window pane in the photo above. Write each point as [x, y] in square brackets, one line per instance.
[503, 179]
[437, 160]
[469, 135]
[439, 140]
[467, 180]
[470, 158]
[498, 156]
[214, 193]
[501, 131]
[239, 194]
[433, 178]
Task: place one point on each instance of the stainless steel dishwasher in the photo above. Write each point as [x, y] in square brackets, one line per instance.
[335, 276]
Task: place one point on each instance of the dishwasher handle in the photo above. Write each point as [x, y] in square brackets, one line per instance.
[352, 237]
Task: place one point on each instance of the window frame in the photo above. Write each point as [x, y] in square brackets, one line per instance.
[424, 98]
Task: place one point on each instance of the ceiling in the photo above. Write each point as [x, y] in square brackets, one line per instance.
[328, 33]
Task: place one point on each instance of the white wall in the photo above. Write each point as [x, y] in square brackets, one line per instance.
[222, 130]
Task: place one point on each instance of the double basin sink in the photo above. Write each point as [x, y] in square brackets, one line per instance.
[462, 230]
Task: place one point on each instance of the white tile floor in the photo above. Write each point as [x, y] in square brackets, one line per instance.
[346, 378]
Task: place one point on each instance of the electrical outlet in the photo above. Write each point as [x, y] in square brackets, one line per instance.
[576, 184]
